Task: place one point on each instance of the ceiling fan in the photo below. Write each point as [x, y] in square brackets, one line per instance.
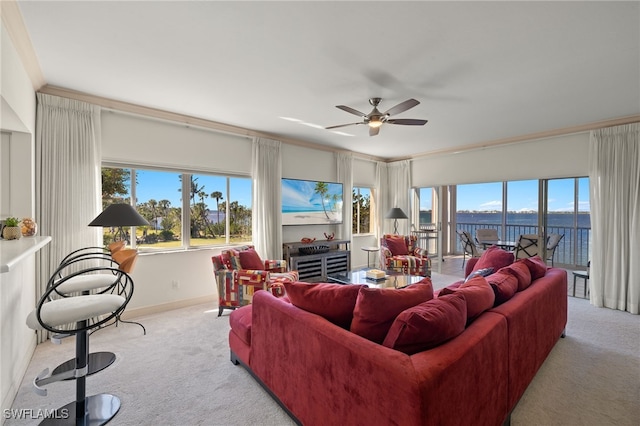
[375, 118]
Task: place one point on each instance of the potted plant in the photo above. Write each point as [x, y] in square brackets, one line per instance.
[11, 230]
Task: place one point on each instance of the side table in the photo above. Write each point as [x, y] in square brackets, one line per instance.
[369, 250]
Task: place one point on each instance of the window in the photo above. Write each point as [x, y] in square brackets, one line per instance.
[522, 209]
[513, 209]
[159, 198]
[361, 210]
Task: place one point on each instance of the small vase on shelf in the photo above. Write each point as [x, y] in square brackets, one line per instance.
[29, 227]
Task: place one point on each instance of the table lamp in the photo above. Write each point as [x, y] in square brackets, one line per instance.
[119, 215]
[396, 213]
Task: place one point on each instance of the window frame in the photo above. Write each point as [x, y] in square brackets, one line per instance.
[356, 217]
[185, 206]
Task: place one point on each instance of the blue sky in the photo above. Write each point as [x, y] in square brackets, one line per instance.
[165, 185]
[521, 196]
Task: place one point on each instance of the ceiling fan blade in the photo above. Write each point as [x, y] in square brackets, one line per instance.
[342, 125]
[407, 121]
[402, 107]
[374, 131]
[351, 110]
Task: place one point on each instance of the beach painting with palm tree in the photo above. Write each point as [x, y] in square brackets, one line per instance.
[307, 202]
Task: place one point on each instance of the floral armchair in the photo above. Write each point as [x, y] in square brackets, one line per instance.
[399, 253]
[240, 272]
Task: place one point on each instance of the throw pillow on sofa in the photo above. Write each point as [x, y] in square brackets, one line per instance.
[250, 259]
[428, 324]
[536, 265]
[494, 257]
[334, 302]
[377, 308]
[522, 273]
[478, 294]
[504, 286]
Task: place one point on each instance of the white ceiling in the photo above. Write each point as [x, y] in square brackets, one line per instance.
[483, 71]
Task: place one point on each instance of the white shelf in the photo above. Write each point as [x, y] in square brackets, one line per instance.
[14, 251]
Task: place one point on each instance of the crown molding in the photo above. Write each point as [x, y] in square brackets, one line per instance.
[13, 22]
[532, 136]
[186, 119]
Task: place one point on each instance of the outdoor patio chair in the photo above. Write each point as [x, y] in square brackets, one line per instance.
[486, 234]
[468, 246]
[552, 244]
[527, 246]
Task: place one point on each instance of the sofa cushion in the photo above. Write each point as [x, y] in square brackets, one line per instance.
[377, 308]
[428, 324]
[494, 257]
[521, 271]
[397, 245]
[240, 323]
[334, 302]
[504, 286]
[478, 294]
[250, 259]
[536, 265]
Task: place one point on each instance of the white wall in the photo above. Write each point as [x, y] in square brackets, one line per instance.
[561, 156]
[17, 288]
[132, 139]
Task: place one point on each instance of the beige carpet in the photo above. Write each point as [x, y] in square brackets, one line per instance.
[180, 374]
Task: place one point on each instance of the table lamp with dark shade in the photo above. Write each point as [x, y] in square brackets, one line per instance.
[119, 215]
[396, 213]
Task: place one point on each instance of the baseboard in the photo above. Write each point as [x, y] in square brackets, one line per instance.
[19, 372]
[148, 310]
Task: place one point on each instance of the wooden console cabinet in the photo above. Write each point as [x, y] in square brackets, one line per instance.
[315, 267]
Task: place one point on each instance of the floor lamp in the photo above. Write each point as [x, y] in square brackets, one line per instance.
[395, 214]
[120, 215]
[116, 215]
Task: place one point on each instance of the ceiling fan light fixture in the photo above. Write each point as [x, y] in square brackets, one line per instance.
[375, 122]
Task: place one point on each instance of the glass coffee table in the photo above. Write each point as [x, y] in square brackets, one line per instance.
[359, 276]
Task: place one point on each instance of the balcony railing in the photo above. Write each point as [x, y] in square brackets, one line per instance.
[572, 251]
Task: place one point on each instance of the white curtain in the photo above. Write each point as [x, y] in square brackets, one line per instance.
[380, 189]
[345, 177]
[614, 161]
[68, 180]
[396, 194]
[266, 172]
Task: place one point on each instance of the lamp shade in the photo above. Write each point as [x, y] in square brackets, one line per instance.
[396, 213]
[119, 215]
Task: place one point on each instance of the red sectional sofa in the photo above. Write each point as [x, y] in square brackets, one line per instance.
[324, 374]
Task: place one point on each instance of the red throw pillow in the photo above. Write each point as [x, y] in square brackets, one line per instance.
[494, 257]
[250, 259]
[428, 324]
[334, 302]
[504, 286]
[536, 266]
[397, 246]
[377, 308]
[478, 294]
[521, 271]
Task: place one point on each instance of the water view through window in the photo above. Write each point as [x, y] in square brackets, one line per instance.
[481, 206]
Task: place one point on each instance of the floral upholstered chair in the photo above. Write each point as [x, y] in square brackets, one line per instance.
[399, 253]
[240, 272]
